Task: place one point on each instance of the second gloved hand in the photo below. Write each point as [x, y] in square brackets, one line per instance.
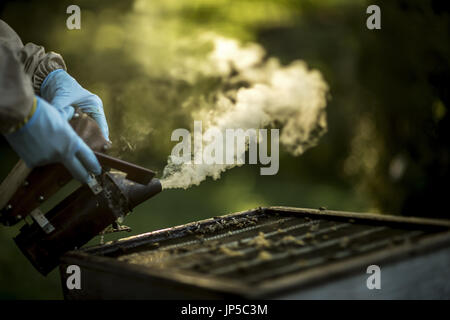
[47, 138]
[63, 91]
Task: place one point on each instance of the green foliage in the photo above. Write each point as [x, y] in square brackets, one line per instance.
[386, 148]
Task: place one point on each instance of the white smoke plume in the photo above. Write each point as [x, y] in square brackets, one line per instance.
[291, 98]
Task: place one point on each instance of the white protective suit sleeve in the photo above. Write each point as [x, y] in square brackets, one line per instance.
[22, 70]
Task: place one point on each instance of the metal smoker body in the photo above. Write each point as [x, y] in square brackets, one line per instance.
[82, 215]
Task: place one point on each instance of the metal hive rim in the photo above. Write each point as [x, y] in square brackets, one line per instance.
[268, 288]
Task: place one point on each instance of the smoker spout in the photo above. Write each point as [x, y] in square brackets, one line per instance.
[134, 192]
[138, 193]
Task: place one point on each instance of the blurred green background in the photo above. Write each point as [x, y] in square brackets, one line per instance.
[386, 149]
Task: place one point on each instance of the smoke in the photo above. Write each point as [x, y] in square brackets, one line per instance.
[257, 93]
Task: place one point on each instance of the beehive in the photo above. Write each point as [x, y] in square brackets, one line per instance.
[274, 252]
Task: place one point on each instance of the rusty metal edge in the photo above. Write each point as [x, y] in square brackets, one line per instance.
[155, 236]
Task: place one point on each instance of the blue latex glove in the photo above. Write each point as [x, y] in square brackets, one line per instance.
[63, 91]
[47, 137]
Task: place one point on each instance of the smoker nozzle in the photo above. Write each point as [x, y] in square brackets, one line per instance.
[138, 193]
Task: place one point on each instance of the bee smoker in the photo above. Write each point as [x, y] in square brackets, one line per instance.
[98, 207]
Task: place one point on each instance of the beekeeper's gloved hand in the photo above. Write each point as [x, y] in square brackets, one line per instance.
[63, 91]
[47, 137]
